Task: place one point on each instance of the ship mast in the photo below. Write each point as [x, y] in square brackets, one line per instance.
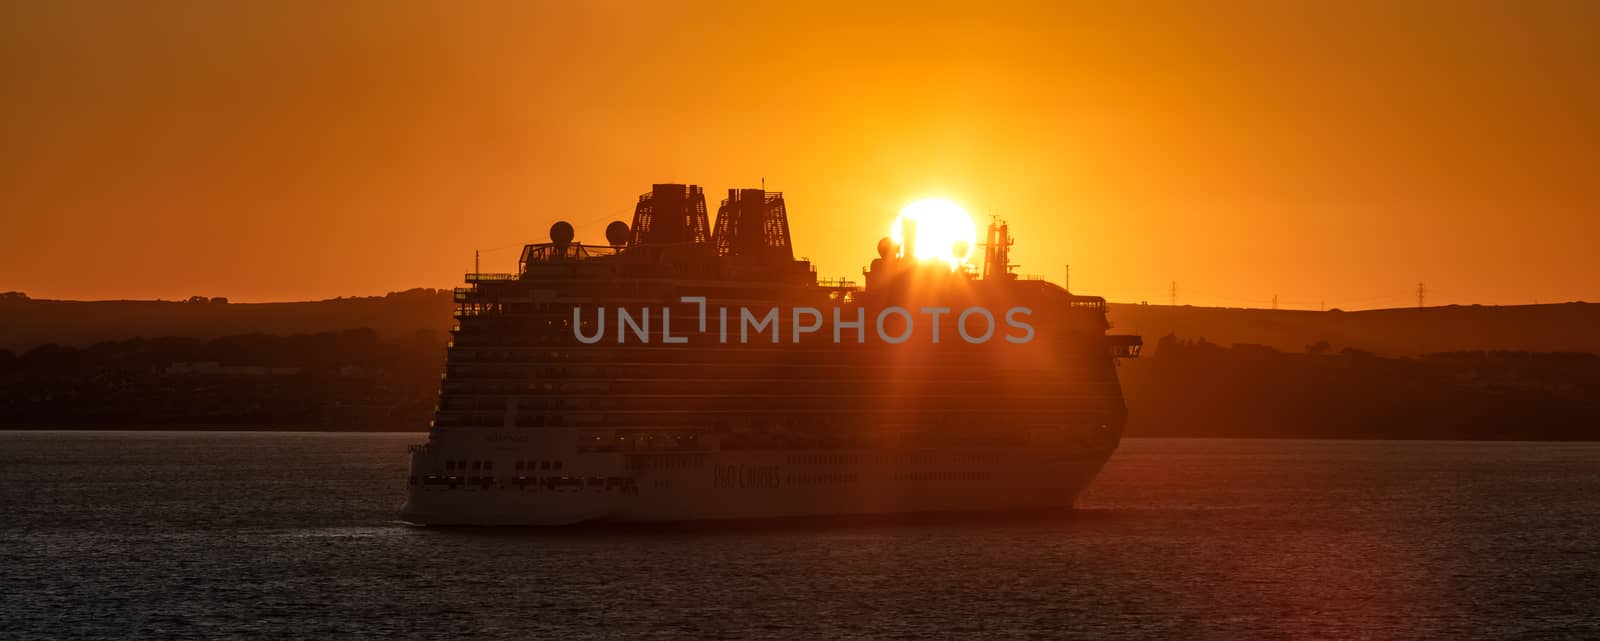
[997, 251]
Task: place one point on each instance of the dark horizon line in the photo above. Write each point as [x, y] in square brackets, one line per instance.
[447, 290]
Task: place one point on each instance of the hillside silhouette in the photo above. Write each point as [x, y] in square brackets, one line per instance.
[346, 380]
[1193, 387]
[1565, 327]
[26, 323]
[355, 380]
[1525, 372]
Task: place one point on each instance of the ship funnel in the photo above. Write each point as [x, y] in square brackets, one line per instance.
[753, 222]
[670, 214]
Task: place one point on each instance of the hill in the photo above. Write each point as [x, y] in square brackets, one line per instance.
[1199, 388]
[1566, 327]
[26, 323]
[354, 380]
[1527, 372]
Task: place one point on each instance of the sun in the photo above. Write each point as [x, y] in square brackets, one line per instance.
[940, 225]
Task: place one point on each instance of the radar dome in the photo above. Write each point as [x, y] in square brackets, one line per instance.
[617, 233]
[885, 247]
[561, 233]
[959, 249]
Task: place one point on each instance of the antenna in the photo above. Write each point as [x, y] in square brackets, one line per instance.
[475, 269]
[1173, 293]
[1066, 278]
[1422, 290]
[1274, 301]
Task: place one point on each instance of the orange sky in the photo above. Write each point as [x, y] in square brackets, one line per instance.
[277, 151]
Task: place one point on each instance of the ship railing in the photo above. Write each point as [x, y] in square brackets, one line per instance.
[552, 253]
[416, 447]
[481, 277]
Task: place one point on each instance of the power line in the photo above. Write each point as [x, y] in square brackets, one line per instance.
[1392, 299]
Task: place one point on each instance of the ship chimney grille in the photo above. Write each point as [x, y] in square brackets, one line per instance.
[753, 222]
[670, 214]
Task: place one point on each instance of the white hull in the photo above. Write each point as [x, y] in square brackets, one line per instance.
[659, 486]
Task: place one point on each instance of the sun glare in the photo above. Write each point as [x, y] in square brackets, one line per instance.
[940, 225]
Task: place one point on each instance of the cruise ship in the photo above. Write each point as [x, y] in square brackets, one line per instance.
[682, 371]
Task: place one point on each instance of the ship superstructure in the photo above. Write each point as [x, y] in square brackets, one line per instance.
[681, 371]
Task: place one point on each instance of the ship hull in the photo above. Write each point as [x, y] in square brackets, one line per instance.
[1046, 475]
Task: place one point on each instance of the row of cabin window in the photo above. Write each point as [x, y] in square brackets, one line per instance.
[624, 483]
[821, 459]
[666, 462]
[609, 483]
[835, 459]
[481, 419]
[820, 479]
[941, 475]
[487, 465]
